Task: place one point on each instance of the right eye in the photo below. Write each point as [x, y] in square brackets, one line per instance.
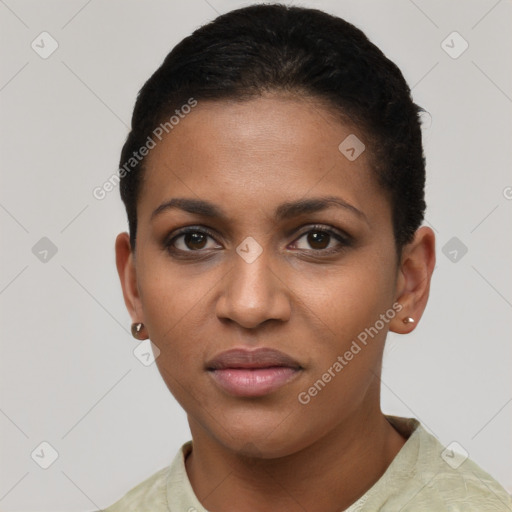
[190, 239]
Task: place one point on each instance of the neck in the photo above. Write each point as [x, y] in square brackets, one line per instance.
[330, 474]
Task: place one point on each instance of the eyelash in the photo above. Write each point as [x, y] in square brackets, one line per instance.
[344, 239]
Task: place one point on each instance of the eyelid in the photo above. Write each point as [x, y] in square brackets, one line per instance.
[167, 242]
[345, 237]
[341, 236]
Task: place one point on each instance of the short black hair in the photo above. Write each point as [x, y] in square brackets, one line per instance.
[265, 48]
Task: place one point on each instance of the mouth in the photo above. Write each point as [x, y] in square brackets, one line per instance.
[252, 373]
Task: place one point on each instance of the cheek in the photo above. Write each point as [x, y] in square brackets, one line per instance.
[172, 306]
[346, 354]
[343, 307]
[346, 298]
[170, 296]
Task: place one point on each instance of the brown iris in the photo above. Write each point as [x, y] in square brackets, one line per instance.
[317, 239]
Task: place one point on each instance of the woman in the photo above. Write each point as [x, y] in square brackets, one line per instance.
[274, 186]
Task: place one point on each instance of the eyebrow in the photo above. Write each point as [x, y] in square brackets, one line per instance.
[283, 211]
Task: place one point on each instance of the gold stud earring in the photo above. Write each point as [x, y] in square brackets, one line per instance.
[137, 329]
[408, 320]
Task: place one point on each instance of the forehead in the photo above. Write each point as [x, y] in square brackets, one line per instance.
[260, 152]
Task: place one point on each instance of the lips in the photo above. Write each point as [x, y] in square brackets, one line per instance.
[252, 373]
[259, 358]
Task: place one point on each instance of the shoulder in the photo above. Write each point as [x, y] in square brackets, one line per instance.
[167, 489]
[151, 494]
[436, 477]
[467, 487]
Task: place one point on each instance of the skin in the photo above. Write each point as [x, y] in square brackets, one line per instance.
[272, 452]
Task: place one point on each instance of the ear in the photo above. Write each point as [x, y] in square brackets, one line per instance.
[413, 283]
[125, 262]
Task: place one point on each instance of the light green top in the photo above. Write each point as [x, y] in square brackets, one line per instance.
[424, 476]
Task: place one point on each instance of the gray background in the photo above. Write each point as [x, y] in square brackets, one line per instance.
[68, 374]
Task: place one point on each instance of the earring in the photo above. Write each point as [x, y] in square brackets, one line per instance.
[137, 329]
[408, 320]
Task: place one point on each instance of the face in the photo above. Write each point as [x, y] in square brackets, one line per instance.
[288, 245]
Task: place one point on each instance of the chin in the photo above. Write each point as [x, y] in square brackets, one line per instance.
[256, 436]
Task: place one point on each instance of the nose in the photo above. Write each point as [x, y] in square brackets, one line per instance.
[253, 292]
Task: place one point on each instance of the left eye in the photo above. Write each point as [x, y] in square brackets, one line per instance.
[320, 239]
